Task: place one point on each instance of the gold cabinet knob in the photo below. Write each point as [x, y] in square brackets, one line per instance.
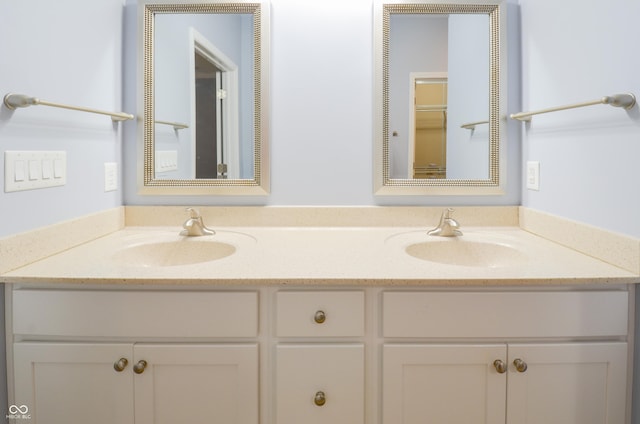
[500, 366]
[120, 364]
[320, 399]
[140, 366]
[320, 317]
[520, 365]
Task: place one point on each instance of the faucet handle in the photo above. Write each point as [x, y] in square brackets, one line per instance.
[194, 213]
[194, 226]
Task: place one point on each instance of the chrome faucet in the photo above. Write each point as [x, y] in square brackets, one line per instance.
[194, 226]
[448, 227]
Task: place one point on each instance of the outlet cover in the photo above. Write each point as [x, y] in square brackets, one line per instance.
[110, 176]
[533, 175]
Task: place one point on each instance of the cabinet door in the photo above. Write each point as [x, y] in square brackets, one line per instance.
[576, 383]
[69, 383]
[452, 384]
[320, 384]
[196, 383]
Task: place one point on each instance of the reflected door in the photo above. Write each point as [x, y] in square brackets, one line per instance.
[207, 111]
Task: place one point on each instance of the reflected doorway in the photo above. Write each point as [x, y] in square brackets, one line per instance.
[215, 102]
[209, 127]
[428, 140]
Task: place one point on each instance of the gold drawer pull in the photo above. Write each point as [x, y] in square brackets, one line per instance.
[120, 364]
[320, 317]
[140, 366]
[520, 365]
[500, 366]
[320, 399]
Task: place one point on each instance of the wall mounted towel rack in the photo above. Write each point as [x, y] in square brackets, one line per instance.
[472, 125]
[13, 101]
[625, 100]
[176, 125]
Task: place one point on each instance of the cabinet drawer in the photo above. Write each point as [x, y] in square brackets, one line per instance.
[320, 384]
[506, 314]
[320, 314]
[95, 313]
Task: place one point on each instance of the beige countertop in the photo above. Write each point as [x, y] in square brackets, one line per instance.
[322, 256]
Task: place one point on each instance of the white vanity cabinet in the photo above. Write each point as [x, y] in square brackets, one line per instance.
[320, 368]
[442, 384]
[320, 354]
[143, 357]
[458, 357]
[567, 383]
[206, 383]
[73, 382]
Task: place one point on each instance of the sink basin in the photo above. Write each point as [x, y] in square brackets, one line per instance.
[172, 253]
[461, 252]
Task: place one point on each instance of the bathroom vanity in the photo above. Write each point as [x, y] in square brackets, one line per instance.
[349, 355]
[335, 324]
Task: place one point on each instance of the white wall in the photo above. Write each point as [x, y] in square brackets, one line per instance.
[67, 51]
[575, 51]
[321, 108]
[321, 112]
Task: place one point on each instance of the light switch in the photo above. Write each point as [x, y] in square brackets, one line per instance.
[34, 170]
[47, 169]
[59, 170]
[18, 171]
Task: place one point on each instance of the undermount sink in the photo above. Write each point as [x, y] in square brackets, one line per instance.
[458, 251]
[185, 251]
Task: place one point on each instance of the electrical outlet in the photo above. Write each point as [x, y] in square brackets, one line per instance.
[110, 176]
[533, 175]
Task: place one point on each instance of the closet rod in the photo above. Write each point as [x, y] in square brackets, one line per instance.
[625, 100]
[472, 125]
[175, 125]
[13, 101]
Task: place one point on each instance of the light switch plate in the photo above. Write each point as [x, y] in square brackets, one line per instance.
[533, 175]
[166, 160]
[34, 169]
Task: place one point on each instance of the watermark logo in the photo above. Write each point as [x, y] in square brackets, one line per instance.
[18, 412]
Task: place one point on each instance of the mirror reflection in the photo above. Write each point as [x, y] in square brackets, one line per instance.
[200, 80]
[438, 81]
[204, 79]
[439, 99]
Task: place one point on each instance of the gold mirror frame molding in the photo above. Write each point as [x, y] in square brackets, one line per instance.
[494, 185]
[148, 183]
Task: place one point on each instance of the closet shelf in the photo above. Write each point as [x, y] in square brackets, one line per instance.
[625, 100]
[13, 101]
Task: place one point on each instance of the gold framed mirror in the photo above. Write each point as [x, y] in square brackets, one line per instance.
[204, 81]
[439, 97]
